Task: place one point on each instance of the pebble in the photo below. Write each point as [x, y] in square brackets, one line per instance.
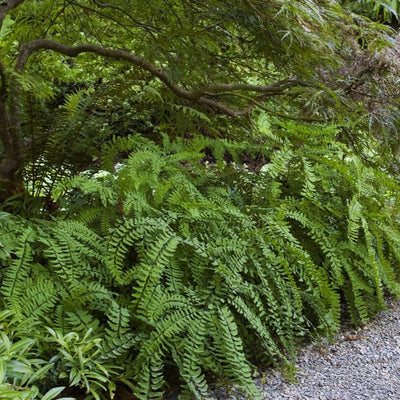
[357, 364]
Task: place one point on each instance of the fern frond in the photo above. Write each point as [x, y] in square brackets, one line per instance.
[257, 324]
[151, 380]
[119, 338]
[79, 320]
[123, 144]
[237, 366]
[319, 232]
[39, 297]
[168, 328]
[82, 238]
[189, 357]
[120, 241]
[166, 303]
[354, 226]
[74, 102]
[148, 272]
[18, 271]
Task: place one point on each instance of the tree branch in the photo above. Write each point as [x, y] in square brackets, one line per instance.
[121, 10]
[204, 95]
[256, 102]
[271, 89]
[43, 44]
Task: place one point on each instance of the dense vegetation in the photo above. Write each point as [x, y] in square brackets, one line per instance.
[189, 190]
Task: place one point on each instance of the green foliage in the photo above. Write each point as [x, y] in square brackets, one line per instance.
[202, 268]
[160, 242]
[79, 361]
[196, 44]
[383, 11]
[20, 367]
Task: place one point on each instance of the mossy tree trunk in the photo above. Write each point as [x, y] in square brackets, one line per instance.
[11, 163]
[12, 160]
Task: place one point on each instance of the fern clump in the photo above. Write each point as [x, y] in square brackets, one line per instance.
[204, 268]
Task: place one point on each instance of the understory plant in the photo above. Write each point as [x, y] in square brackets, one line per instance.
[180, 263]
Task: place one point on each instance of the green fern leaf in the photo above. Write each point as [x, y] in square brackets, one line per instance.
[19, 269]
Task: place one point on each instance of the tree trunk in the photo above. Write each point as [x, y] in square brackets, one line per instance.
[11, 163]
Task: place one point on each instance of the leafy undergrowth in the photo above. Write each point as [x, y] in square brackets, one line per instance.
[173, 271]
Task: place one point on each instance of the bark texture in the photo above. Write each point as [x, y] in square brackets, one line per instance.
[9, 126]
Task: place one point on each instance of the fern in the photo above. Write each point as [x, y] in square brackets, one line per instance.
[193, 349]
[39, 297]
[258, 325]
[172, 263]
[237, 366]
[355, 209]
[119, 338]
[169, 327]
[147, 273]
[13, 284]
[150, 380]
[120, 241]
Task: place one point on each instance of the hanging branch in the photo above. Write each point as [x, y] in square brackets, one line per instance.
[206, 94]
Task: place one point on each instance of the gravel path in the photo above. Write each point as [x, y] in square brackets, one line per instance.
[362, 364]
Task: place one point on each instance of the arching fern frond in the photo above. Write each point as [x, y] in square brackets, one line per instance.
[13, 283]
[237, 367]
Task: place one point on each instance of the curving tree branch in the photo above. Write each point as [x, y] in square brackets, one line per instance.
[206, 94]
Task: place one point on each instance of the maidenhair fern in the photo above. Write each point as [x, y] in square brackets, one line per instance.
[182, 260]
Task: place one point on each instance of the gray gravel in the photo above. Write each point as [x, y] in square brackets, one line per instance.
[361, 364]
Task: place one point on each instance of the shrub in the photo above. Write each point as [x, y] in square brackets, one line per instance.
[202, 270]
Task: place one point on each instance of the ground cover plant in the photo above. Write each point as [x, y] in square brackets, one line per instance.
[203, 270]
[189, 190]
